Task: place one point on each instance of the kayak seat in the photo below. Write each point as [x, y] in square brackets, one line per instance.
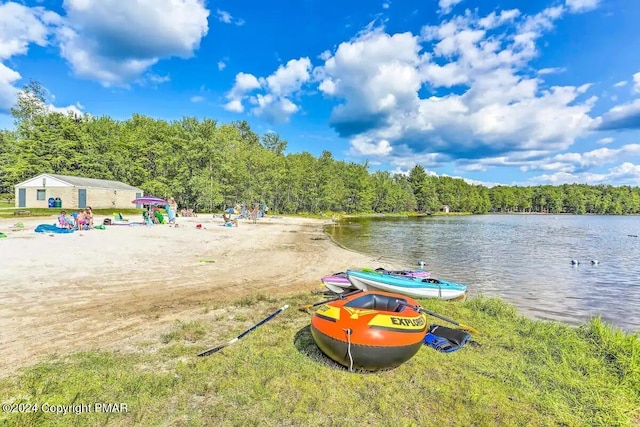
[378, 302]
[390, 272]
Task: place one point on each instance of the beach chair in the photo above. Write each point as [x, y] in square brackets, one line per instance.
[62, 222]
[159, 217]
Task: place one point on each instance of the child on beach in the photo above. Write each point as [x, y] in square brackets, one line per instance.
[80, 220]
[228, 221]
[63, 221]
[88, 217]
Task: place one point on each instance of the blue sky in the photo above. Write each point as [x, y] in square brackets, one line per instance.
[509, 92]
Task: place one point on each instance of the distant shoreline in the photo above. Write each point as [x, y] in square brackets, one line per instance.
[408, 215]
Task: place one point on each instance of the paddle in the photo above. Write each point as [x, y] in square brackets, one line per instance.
[263, 321]
[341, 296]
[439, 316]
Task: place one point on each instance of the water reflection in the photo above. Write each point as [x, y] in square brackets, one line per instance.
[525, 259]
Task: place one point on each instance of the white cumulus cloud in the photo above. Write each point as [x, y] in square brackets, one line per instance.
[366, 147]
[626, 173]
[582, 5]
[8, 91]
[20, 26]
[553, 70]
[446, 5]
[224, 16]
[623, 116]
[495, 19]
[244, 84]
[580, 163]
[75, 109]
[114, 42]
[274, 104]
[290, 77]
[498, 108]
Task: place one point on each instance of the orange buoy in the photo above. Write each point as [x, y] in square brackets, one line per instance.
[369, 330]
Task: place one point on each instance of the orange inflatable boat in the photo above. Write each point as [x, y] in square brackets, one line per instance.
[369, 330]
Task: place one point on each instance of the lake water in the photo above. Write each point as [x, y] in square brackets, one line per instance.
[525, 259]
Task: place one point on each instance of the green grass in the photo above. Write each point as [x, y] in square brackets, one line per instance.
[517, 372]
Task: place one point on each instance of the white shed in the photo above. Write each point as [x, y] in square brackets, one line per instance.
[74, 192]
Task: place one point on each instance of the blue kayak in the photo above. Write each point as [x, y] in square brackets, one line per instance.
[415, 287]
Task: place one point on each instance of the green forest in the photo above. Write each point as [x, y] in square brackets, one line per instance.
[207, 166]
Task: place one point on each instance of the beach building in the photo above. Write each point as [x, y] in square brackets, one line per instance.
[73, 192]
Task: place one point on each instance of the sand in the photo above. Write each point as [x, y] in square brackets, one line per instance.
[107, 289]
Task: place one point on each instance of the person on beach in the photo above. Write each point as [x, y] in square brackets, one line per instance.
[173, 205]
[254, 212]
[64, 222]
[88, 218]
[80, 222]
[228, 222]
[171, 214]
[147, 217]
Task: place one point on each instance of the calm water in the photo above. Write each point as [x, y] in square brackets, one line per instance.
[525, 259]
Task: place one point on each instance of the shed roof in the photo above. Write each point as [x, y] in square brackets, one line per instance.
[77, 181]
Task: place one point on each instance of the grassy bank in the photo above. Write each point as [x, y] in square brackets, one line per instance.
[518, 372]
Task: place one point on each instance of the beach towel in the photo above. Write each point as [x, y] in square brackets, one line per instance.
[446, 339]
[52, 228]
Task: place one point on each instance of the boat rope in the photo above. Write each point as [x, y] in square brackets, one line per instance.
[439, 290]
[349, 331]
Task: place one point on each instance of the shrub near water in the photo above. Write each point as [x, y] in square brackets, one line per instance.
[518, 372]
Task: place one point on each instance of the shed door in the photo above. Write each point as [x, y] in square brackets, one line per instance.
[22, 197]
[138, 205]
[82, 198]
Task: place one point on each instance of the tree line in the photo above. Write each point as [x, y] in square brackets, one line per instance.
[206, 165]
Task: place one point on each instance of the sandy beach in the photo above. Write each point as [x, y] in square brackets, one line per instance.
[107, 289]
